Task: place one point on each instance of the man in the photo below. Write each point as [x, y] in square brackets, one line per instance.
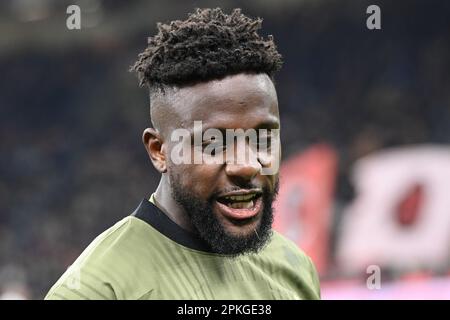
[205, 233]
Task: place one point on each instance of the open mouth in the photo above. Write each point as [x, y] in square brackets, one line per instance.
[240, 206]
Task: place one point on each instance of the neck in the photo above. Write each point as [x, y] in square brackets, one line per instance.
[165, 202]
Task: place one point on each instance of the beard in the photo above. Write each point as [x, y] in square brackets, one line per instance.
[211, 230]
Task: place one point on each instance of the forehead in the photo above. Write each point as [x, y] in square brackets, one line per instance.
[239, 101]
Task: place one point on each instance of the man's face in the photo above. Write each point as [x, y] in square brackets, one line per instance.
[229, 203]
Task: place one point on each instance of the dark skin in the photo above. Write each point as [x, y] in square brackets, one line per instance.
[240, 101]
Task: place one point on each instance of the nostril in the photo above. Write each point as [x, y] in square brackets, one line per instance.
[244, 171]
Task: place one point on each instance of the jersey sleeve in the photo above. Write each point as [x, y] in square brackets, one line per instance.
[81, 285]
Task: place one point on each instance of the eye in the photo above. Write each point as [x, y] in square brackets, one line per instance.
[212, 147]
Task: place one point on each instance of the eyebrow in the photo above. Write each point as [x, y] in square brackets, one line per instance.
[264, 125]
[267, 124]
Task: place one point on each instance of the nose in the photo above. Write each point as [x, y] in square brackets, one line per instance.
[244, 170]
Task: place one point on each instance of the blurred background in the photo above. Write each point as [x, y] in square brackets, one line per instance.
[365, 181]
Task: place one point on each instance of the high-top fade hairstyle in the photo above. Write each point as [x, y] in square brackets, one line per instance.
[208, 45]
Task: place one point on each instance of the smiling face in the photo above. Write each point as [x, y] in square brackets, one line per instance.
[228, 204]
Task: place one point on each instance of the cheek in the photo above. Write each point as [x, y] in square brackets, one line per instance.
[199, 179]
[270, 181]
[203, 179]
[274, 180]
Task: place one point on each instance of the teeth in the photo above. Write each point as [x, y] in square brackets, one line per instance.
[241, 205]
[241, 198]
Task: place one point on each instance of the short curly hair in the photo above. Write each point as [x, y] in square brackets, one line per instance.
[208, 45]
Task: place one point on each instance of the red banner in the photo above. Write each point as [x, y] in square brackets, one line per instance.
[303, 207]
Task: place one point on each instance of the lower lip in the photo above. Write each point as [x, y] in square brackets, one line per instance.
[240, 214]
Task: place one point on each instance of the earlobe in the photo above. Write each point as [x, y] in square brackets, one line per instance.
[155, 148]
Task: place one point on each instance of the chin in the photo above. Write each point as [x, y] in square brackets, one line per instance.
[240, 228]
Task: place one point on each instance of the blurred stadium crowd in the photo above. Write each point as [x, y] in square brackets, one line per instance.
[72, 162]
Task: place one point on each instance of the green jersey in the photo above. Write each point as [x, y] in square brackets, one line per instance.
[148, 256]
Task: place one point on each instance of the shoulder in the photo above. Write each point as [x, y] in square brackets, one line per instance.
[106, 268]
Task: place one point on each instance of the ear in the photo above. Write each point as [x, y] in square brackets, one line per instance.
[155, 148]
